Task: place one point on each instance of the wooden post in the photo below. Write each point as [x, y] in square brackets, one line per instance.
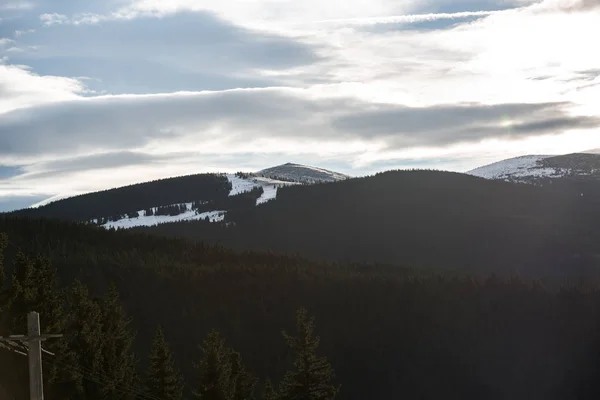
[34, 341]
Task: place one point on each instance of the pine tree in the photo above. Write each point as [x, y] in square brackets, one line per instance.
[118, 361]
[213, 369]
[84, 337]
[163, 380]
[269, 392]
[241, 383]
[312, 377]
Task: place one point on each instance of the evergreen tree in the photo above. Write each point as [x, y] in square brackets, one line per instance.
[269, 392]
[313, 375]
[118, 361]
[163, 380]
[241, 383]
[213, 371]
[84, 338]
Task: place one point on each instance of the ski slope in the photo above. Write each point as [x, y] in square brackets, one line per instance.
[152, 220]
[270, 186]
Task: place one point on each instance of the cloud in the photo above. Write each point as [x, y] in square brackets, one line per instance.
[184, 51]
[451, 124]
[19, 87]
[406, 19]
[576, 5]
[54, 19]
[64, 166]
[16, 6]
[237, 120]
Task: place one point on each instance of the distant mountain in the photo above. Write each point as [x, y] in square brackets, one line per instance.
[540, 169]
[301, 173]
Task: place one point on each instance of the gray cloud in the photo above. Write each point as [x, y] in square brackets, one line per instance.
[112, 160]
[184, 51]
[444, 125]
[119, 123]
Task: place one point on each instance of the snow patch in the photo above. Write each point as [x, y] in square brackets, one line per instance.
[269, 193]
[242, 185]
[152, 220]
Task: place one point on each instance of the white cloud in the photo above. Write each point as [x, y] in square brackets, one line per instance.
[21, 88]
[54, 19]
[19, 33]
[16, 6]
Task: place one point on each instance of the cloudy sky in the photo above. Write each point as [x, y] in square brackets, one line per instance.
[100, 93]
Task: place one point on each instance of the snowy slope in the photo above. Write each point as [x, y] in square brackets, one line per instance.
[513, 168]
[301, 173]
[534, 168]
[241, 185]
[151, 220]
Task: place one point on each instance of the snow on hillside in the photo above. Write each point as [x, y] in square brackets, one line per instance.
[517, 168]
[241, 185]
[270, 193]
[152, 220]
[301, 173]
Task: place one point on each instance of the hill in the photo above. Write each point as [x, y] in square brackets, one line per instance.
[301, 173]
[185, 198]
[421, 218]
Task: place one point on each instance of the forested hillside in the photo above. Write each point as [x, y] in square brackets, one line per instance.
[423, 219]
[130, 199]
[389, 331]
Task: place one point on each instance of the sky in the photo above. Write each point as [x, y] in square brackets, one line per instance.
[102, 93]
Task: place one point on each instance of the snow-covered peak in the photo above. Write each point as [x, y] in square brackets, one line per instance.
[301, 173]
[533, 168]
[511, 168]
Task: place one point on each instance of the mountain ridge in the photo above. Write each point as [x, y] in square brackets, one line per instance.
[539, 169]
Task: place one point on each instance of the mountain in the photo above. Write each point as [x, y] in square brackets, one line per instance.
[301, 173]
[193, 197]
[420, 218]
[541, 168]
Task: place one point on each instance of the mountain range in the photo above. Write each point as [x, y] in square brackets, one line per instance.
[425, 218]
